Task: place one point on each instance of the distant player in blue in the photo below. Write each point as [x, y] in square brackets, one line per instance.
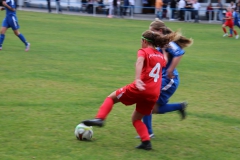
[236, 21]
[170, 79]
[11, 21]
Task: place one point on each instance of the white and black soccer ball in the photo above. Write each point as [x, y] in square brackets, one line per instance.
[83, 132]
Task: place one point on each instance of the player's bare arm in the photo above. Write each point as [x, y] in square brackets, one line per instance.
[172, 66]
[165, 55]
[139, 65]
[5, 4]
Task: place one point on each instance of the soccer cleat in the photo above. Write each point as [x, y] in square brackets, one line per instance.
[230, 35]
[237, 36]
[150, 136]
[27, 47]
[183, 110]
[145, 145]
[0, 48]
[225, 35]
[94, 122]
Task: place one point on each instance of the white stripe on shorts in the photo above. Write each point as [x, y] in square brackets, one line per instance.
[168, 85]
[14, 21]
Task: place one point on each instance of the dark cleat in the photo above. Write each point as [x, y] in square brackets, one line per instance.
[145, 145]
[94, 122]
[183, 110]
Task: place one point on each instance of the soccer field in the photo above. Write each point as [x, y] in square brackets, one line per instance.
[75, 62]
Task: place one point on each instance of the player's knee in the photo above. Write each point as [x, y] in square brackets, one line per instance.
[16, 32]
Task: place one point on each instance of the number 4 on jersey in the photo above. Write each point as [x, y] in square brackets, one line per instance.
[155, 72]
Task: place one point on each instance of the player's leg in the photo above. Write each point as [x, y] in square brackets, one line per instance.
[103, 111]
[2, 36]
[168, 89]
[170, 107]
[141, 110]
[234, 31]
[4, 28]
[231, 32]
[13, 22]
[23, 39]
[224, 30]
[147, 120]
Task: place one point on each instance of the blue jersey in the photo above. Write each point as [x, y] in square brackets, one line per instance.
[169, 86]
[11, 18]
[175, 51]
[235, 16]
[236, 19]
[12, 4]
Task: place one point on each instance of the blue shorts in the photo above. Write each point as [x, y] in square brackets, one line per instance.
[169, 86]
[237, 23]
[10, 22]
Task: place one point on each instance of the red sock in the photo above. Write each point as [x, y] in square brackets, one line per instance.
[224, 30]
[141, 130]
[105, 108]
[235, 32]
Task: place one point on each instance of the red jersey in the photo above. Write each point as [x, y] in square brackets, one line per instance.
[151, 74]
[229, 21]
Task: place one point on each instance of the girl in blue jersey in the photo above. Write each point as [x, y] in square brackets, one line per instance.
[170, 79]
[11, 21]
[236, 22]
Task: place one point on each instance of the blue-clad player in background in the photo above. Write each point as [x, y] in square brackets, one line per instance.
[11, 21]
[236, 21]
[170, 79]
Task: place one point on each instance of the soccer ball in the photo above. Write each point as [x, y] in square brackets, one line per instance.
[83, 132]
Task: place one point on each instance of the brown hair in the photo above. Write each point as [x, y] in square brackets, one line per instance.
[159, 40]
[182, 41]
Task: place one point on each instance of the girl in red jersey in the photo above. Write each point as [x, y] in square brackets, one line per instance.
[229, 22]
[144, 90]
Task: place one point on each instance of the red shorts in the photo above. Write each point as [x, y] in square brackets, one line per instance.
[229, 24]
[127, 97]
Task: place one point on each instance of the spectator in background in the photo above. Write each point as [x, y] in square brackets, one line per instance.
[111, 5]
[188, 11]
[49, 6]
[164, 8]
[209, 12]
[232, 5]
[238, 7]
[132, 4]
[220, 10]
[58, 6]
[173, 7]
[181, 8]
[115, 7]
[121, 7]
[158, 6]
[125, 7]
[196, 6]
[84, 5]
[90, 6]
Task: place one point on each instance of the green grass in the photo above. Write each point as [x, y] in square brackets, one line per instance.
[75, 62]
